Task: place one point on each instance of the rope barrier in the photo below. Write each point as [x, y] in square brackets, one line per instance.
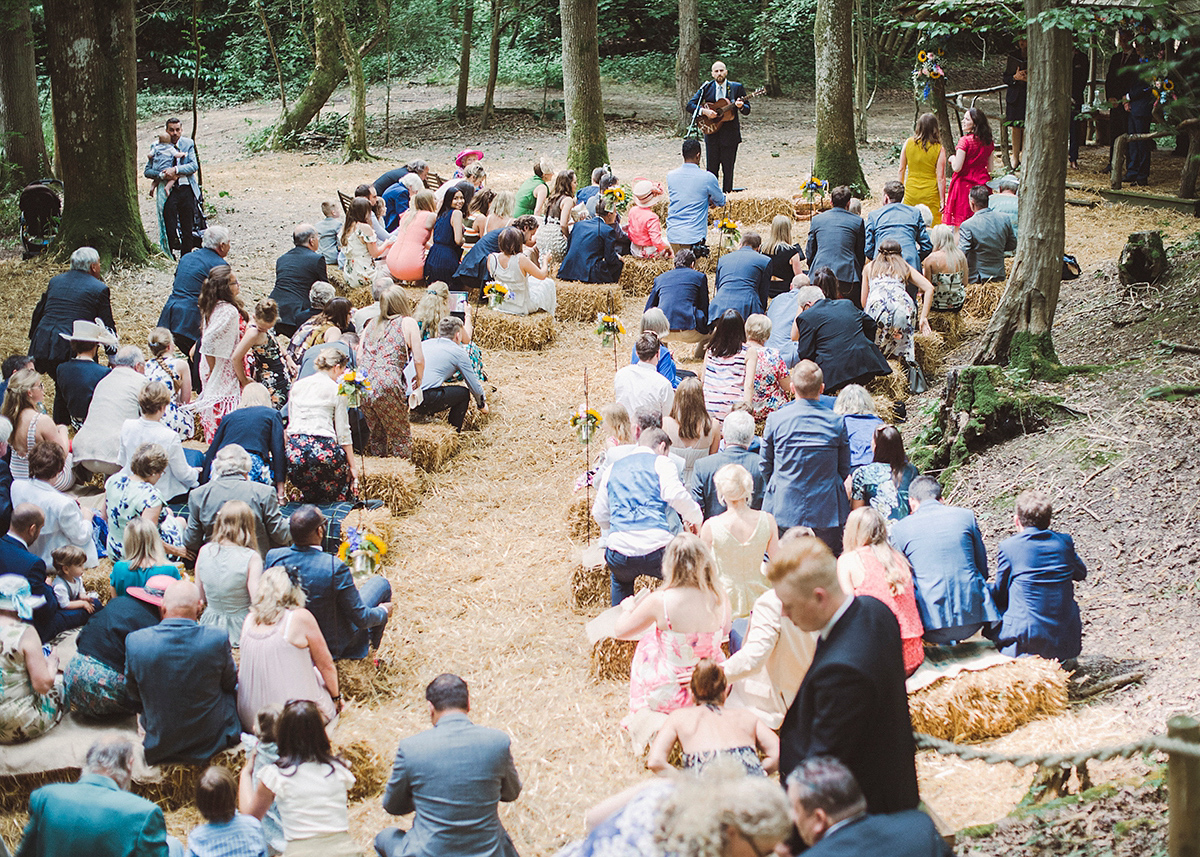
[1150, 744]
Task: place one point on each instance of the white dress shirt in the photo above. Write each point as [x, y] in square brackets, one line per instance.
[673, 492]
[640, 385]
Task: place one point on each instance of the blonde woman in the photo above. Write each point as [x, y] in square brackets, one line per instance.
[870, 566]
[24, 400]
[694, 434]
[228, 569]
[388, 343]
[885, 299]
[946, 268]
[616, 441]
[283, 653]
[173, 371]
[738, 538]
[655, 321]
[433, 307]
[684, 620]
[787, 259]
[500, 213]
[144, 558]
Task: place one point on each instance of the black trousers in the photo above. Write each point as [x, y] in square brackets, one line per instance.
[186, 344]
[452, 396]
[179, 218]
[720, 151]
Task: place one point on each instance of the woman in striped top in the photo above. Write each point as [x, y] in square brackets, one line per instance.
[725, 365]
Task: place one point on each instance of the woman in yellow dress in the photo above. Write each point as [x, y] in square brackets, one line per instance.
[923, 159]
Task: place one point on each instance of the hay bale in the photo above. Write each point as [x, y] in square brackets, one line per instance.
[931, 353]
[950, 325]
[395, 481]
[434, 444]
[177, 786]
[885, 407]
[893, 386]
[369, 680]
[377, 521]
[750, 209]
[982, 300]
[580, 525]
[590, 583]
[99, 579]
[360, 296]
[370, 769]
[637, 276]
[976, 706]
[584, 301]
[612, 659]
[507, 332]
[337, 278]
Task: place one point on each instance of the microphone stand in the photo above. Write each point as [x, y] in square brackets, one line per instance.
[693, 132]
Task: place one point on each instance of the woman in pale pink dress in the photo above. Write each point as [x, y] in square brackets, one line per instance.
[406, 259]
[224, 322]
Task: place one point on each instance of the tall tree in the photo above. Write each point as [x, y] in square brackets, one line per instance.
[464, 62]
[1019, 331]
[93, 75]
[587, 139]
[766, 28]
[356, 140]
[21, 136]
[687, 60]
[837, 154]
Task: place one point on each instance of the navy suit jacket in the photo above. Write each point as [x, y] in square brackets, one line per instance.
[731, 131]
[182, 676]
[472, 265]
[6, 505]
[840, 338]
[591, 253]
[332, 598]
[1034, 588]
[15, 558]
[743, 278]
[295, 272]
[453, 776]
[837, 239]
[74, 383]
[181, 313]
[900, 834]
[70, 296]
[949, 565]
[852, 705]
[701, 484]
[806, 459]
[682, 294]
[902, 223]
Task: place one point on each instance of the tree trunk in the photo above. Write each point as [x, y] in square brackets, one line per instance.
[326, 74]
[1191, 165]
[687, 61]
[860, 73]
[837, 155]
[356, 141]
[489, 97]
[262, 14]
[1019, 331]
[942, 112]
[93, 66]
[23, 144]
[464, 62]
[770, 65]
[587, 140]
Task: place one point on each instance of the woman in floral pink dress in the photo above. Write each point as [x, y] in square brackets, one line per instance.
[387, 344]
[685, 620]
[224, 322]
[970, 163]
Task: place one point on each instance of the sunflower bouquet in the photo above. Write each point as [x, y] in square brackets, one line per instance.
[814, 189]
[496, 293]
[929, 68]
[362, 551]
[608, 328]
[731, 231]
[585, 422]
[1163, 89]
[617, 198]
[355, 386]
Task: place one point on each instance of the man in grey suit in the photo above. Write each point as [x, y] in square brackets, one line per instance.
[452, 776]
[902, 223]
[738, 432]
[806, 459]
[984, 237]
[949, 564]
[743, 277]
[231, 481]
[837, 240]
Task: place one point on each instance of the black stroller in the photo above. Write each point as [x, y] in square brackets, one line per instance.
[41, 210]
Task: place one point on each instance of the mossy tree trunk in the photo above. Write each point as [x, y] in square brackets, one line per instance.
[837, 153]
[464, 62]
[587, 139]
[1019, 331]
[356, 140]
[687, 60]
[21, 138]
[489, 98]
[327, 73]
[93, 68]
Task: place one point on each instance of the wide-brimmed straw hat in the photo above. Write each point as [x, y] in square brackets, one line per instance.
[153, 591]
[16, 596]
[90, 331]
[462, 156]
[643, 191]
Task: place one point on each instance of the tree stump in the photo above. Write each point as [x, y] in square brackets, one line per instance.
[1143, 260]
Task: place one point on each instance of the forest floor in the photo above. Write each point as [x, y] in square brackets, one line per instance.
[482, 569]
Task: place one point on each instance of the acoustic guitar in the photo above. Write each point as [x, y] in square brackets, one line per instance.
[725, 110]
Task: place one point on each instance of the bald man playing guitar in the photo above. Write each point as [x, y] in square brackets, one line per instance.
[719, 102]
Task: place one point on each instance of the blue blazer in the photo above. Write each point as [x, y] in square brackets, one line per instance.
[899, 834]
[682, 294]
[840, 338]
[15, 558]
[69, 296]
[472, 265]
[181, 313]
[949, 565]
[591, 253]
[295, 272]
[93, 817]
[453, 776]
[806, 459]
[74, 384]
[837, 239]
[1034, 588]
[902, 223]
[743, 278]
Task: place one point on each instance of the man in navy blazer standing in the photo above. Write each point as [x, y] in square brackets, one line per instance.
[16, 558]
[837, 240]
[77, 294]
[742, 280]
[806, 459]
[452, 777]
[902, 223]
[720, 147]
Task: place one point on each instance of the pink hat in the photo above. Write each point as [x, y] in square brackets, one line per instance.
[152, 593]
[462, 156]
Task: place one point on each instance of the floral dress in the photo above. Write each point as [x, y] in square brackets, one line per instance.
[874, 483]
[895, 317]
[178, 418]
[222, 392]
[382, 359]
[264, 364]
[24, 714]
[663, 663]
[769, 373]
[126, 498]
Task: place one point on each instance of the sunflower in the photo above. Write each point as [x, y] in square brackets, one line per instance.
[922, 56]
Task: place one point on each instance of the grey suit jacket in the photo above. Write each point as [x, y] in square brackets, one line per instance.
[205, 502]
[984, 236]
[837, 239]
[902, 223]
[453, 776]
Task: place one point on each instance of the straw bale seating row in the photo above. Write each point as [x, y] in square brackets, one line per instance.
[584, 301]
[743, 208]
[505, 332]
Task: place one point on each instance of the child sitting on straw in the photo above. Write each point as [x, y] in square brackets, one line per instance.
[266, 754]
[68, 586]
[225, 831]
[645, 229]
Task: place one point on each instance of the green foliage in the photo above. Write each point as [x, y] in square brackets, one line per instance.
[653, 68]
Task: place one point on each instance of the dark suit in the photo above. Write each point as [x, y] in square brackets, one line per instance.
[452, 776]
[295, 272]
[720, 148]
[93, 817]
[852, 705]
[902, 223]
[72, 295]
[1035, 590]
[6, 506]
[591, 253]
[743, 278]
[471, 269]
[704, 491]
[182, 676]
[15, 558]
[74, 384]
[900, 834]
[841, 340]
[682, 294]
[181, 313]
[837, 239]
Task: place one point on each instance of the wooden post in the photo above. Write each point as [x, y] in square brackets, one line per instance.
[1120, 148]
[1183, 791]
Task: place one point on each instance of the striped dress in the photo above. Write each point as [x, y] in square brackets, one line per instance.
[724, 383]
